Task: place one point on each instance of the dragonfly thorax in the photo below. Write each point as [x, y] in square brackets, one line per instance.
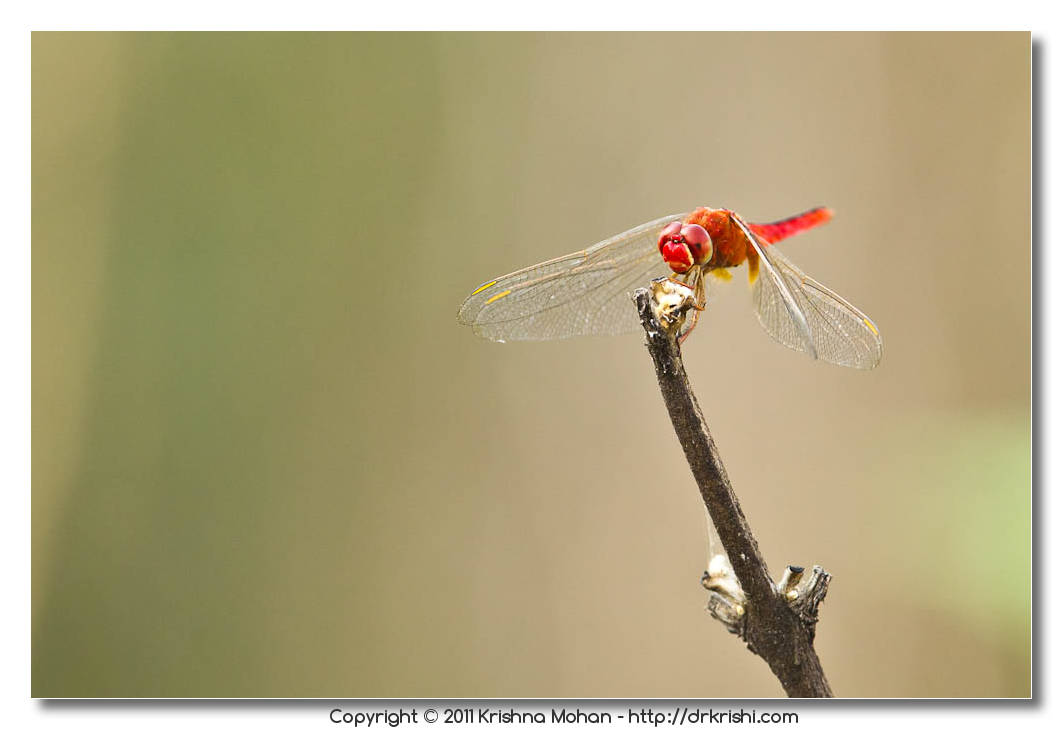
[730, 246]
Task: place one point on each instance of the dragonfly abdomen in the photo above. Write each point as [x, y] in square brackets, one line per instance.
[776, 231]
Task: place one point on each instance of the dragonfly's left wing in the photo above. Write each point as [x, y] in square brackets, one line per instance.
[582, 293]
[805, 315]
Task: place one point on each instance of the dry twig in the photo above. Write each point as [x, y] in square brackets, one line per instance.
[777, 622]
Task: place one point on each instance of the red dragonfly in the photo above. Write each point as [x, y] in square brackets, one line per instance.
[589, 292]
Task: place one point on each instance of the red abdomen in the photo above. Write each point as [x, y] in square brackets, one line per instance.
[774, 232]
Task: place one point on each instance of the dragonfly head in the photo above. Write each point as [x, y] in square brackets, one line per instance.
[684, 245]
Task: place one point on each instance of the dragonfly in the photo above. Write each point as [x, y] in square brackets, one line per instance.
[589, 292]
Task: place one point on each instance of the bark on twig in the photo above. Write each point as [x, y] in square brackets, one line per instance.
[776, 622]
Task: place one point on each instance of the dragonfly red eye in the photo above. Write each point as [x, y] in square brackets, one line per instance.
[699, 241]
[682, 246]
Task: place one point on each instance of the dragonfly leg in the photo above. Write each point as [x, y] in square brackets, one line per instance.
[700, 300]
[700, 295]
[693, 324]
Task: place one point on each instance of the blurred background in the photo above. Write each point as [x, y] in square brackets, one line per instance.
[267, 460]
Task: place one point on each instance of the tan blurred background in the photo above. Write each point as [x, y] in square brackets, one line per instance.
[268, 462]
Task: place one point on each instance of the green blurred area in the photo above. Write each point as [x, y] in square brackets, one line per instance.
[268, 462]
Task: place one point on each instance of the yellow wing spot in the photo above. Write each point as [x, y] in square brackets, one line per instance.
[483, 288]
[722, 274]
[494, 298]
[870, 326]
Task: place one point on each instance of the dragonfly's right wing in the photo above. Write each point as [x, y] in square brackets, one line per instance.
[805, 315]
[582, 293]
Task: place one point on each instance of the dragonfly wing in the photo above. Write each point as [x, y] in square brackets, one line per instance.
[777, 306]
[582, 293]
[806, 315]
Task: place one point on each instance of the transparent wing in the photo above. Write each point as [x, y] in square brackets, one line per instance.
[805, 315]
[582, 293]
